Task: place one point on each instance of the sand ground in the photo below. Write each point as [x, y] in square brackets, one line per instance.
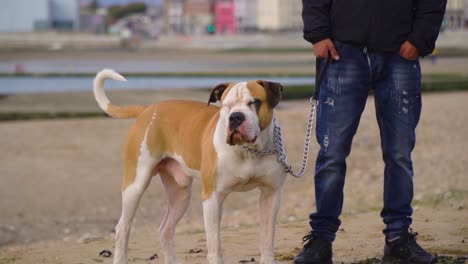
[60, 192]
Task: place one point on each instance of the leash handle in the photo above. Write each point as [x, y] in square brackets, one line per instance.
[320, 73]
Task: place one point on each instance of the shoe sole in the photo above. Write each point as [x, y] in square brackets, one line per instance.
[392, 260]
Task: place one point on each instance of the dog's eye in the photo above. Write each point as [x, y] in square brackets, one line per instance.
[256, 103]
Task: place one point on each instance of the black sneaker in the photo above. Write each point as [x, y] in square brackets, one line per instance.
[316, 251]
[406, 250]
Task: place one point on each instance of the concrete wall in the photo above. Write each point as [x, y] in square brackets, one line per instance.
[21, 15]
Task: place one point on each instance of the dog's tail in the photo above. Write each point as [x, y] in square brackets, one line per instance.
[105, 104]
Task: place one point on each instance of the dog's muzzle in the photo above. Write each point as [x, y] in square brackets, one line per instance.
[237, 134]
[235, 120]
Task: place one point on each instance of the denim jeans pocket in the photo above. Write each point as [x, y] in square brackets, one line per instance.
[338, 45]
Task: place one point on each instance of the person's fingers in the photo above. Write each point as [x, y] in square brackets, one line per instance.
[323, 48]
[323, 54]
[316, 53]
[408, 54]
[402, 50]
[320, 53]
[333, 52]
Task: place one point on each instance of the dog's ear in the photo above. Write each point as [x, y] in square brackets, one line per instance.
[273, 91]
[217, 92]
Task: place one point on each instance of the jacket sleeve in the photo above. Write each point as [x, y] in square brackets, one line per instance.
[427, 20]
[315, 15]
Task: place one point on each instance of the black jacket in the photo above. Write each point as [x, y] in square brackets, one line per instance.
[380, 25]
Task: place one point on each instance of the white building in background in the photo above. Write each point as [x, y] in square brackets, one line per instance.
[246, 15]
[38, 15]
[175, 18]
[278, 15]
[455, 14]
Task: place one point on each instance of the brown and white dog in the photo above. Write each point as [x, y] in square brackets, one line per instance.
[179, 140]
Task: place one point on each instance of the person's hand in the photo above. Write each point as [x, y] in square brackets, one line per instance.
[409, 51]
[322, 48]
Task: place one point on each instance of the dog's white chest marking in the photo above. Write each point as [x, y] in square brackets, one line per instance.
[239, 170]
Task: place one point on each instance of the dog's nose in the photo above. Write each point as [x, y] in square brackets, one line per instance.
[235, 120]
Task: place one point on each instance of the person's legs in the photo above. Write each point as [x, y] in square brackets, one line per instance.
[398, 108]
[342, 99]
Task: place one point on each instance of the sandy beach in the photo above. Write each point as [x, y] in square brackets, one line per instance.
[60, 190]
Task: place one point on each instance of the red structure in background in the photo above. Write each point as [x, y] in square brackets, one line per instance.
[225, 17]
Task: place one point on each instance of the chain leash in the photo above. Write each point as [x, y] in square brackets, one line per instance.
[279, 148]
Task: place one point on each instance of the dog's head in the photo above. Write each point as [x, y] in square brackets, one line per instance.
[246, 108]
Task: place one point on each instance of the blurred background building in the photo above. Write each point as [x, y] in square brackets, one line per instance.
[466, 13]
[279, 15]
[246, 15]
[173, 17]
[456, 16]
[225, 17]
[38, 15]
[198, 15]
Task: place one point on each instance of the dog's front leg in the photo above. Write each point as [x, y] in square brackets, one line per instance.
[212, 211]
[269, 205]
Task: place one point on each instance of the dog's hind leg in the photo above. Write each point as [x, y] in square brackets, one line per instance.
[144, 165]
[178, 190]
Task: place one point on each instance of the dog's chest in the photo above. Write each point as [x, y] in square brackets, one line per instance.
[242, 173]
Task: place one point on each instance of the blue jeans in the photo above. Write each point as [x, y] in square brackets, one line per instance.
[342, 98]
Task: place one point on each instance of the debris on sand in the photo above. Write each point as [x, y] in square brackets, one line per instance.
[195, 251]
[105, 253]
[153, 257]
[247, 261]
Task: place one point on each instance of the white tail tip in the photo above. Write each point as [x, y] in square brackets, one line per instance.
[99, 93]
[108, 73]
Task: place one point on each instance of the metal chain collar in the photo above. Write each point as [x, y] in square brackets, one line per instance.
[279, 149]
